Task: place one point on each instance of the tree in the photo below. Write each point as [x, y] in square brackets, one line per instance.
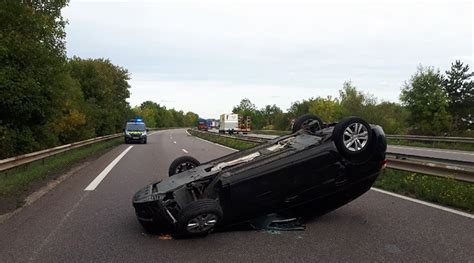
[353, 101]
[247, 108]
[427, 102]
[269, 114]
[298, 108]
[32, 70]
[190, 119]
[460, 90]
[327, 109]
[105, 89]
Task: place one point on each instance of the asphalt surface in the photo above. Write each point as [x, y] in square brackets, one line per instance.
[69, 224]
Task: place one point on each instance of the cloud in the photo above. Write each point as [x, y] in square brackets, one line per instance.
[178, 51]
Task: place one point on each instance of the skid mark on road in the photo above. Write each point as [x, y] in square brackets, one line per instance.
[93, 185]
[56, 229]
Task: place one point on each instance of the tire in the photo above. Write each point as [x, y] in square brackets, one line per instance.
[359, 132]
[144, 141]
[206, 214]
[182, 164]
[303, 121]
[126, 141]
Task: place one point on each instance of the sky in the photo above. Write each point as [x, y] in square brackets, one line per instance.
[205, 56]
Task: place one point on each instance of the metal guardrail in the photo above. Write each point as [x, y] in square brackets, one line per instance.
[12, 162]
[459, 170]
[431, 138]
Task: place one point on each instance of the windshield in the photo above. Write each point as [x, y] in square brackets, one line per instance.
[135, 127]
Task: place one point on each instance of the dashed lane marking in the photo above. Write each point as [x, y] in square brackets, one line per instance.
[184, 150]
[93, 185]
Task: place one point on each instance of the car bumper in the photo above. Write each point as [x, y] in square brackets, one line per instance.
[150, 211]
[135, 138]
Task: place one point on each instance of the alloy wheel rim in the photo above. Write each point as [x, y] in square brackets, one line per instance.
[202, 223]
[355, 137]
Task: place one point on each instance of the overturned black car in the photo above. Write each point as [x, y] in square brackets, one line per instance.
[316, 169]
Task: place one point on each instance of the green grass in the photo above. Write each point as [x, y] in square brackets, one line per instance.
[444, 191]
[18, 180]
[229, 142]
[438, 145]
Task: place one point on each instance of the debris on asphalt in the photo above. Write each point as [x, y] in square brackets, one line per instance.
[165, 237]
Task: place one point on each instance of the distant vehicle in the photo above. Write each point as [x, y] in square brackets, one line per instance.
[233, 123]
[135, 131]
[229, 123]
[202, 125]
[316, 169]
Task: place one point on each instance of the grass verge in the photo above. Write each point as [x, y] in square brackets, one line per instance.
[17, 181]
[229, 142]
[444, 191]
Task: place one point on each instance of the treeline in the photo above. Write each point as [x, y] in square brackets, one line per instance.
[48, 99]
[157, 116]
[431, 104]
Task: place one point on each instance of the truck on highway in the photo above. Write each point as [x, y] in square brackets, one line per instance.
[202, 125]
[233, 123]
[228, 123]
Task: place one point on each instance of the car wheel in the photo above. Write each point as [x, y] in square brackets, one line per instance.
[199, 218]
[126, 141]
[182, 164]
[353, 137]
[306, 122]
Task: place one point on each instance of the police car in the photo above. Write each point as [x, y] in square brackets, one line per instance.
[135, 131]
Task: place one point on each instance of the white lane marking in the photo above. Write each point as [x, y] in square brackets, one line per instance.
[174, 142]
[184, 150]
[101, 176]
[188, 132]
[216, 144]
[424, 203]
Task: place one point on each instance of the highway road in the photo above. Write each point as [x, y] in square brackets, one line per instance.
[69, 224]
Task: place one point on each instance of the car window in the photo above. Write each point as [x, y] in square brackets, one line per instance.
[136, 126]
